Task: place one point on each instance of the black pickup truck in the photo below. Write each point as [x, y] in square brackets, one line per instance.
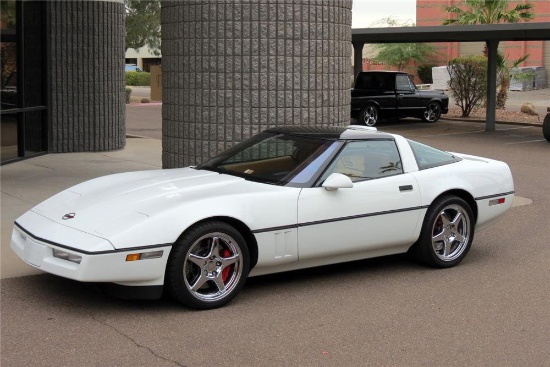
[392, 94]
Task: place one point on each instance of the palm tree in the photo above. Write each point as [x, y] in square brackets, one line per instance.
[489, 12]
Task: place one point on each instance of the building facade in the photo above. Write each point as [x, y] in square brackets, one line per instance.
[432, 13]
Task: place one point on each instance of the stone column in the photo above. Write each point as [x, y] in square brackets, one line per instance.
[86, 62]
[234, 68]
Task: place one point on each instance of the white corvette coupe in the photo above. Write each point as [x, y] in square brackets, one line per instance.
[288, 198]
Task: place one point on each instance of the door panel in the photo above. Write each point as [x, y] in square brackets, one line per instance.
[408, 98]
[376, 213]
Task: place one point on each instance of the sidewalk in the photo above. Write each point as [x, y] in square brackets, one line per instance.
[27, 183]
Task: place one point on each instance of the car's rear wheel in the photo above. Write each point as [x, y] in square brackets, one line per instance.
[432, 112]
[546, 127]
[447, 233]
[208, 266]
[369, 115]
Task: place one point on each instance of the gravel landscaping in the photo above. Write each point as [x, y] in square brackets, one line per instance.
[501, 116]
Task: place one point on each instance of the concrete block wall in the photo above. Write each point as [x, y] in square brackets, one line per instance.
[87, 76]
[232, 69]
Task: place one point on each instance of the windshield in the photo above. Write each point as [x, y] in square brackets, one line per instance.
[276, 158]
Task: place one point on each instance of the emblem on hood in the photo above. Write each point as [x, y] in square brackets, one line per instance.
[69, 216]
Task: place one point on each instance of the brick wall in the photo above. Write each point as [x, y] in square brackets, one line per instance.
[432, 12]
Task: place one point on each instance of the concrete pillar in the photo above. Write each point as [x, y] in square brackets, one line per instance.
[234, 68]
[86, 63]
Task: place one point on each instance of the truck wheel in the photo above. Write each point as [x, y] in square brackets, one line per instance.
[546, 127]
[369, 115]
[432, 112]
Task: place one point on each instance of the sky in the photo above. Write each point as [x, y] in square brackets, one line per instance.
[366, 12]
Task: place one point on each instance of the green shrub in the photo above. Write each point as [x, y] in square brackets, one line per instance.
[468, 82]
[136, 79]
[128, 94]
[425, 73]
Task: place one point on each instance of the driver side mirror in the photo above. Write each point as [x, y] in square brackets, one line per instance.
[337, 181]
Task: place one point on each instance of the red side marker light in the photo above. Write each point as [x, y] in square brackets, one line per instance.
[497, 201]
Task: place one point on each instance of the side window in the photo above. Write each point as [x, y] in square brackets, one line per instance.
[368, 81]
[428, 157]
[366, 160]
[403, 83]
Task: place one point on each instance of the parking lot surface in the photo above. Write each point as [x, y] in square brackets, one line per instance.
[491, 310]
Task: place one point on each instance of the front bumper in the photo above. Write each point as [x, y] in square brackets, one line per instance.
[100, 266]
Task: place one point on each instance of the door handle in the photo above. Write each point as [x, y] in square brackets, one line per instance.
[405, 188]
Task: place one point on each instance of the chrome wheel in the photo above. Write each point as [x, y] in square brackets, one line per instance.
[212, 266]
[369, 115]
[208, 265]
[432, 112]
[447, 233]
[451, 233]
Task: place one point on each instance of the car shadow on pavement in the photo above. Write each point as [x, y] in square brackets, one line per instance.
[67, 296]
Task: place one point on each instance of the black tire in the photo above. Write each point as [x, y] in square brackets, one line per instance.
[208, 266]
[447, 233]
[546, 127]
[369, 115]
[432, 112]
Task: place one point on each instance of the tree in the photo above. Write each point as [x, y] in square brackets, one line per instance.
[400, 54]
[504, 74]
[488, 12]
[143, 24]
[468, 82]
[8, 50]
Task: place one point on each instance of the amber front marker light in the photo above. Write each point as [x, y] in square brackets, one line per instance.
[133, 257]
[144, 255]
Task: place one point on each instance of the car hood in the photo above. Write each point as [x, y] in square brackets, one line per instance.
[103, 206]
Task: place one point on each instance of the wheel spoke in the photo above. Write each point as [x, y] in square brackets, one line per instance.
[444, 219]
[219, 282]
[448, 247]
[215, 247]
[456, 219]
[459, 237]
[439, 237]
[227, 261]
[200, 282]
[197, 260]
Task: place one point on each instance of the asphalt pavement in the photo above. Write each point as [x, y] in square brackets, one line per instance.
[491, 310]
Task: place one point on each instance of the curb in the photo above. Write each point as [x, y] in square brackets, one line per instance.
[496, 122]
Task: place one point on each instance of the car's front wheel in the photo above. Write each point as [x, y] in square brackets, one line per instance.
[208, 266]
[369, 115]
[447, 233]
[432, 112]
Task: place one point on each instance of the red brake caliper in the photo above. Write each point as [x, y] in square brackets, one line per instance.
[225, 271]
